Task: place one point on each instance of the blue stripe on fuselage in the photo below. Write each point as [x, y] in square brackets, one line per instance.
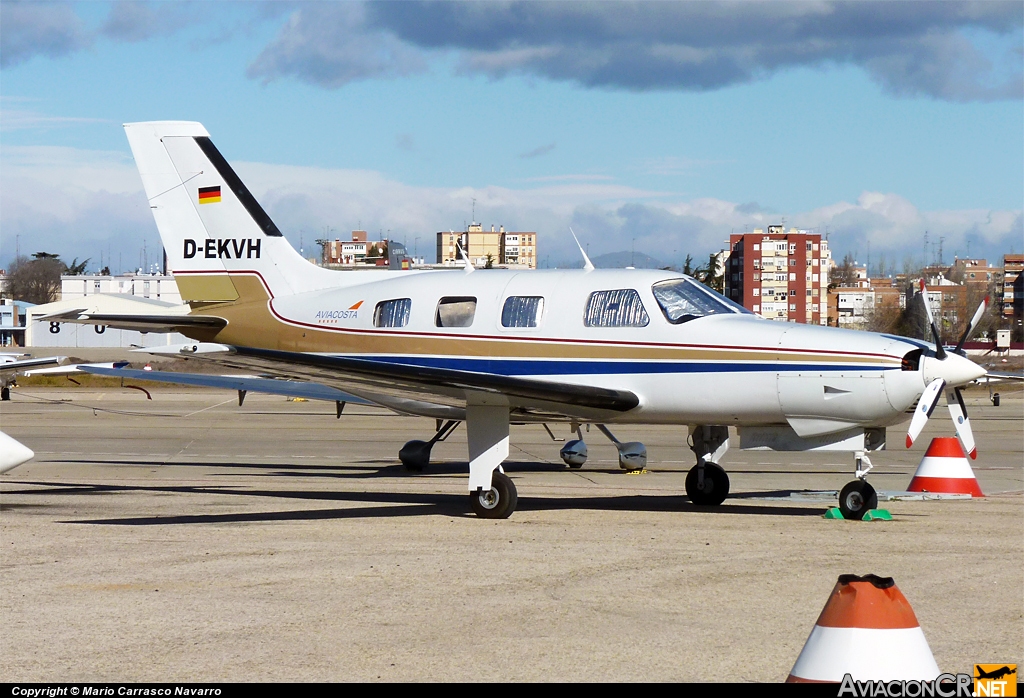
[519, 367]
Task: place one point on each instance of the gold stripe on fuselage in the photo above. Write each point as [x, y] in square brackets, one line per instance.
[252, 323]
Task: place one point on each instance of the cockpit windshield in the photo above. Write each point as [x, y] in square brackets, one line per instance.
[682, 300]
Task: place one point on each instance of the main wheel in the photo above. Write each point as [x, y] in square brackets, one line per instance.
[856, 499]
[415, 456]
[497, 503]
[715, 488]
[5, 394]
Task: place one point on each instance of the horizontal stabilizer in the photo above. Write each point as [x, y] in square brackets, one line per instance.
[146, 323]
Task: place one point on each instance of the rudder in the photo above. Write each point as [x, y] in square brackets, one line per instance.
[211, 226]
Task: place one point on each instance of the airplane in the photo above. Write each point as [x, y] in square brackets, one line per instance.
[995, 674]
[498, 347]
[11, 364]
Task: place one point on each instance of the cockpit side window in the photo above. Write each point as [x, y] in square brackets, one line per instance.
[393, 313]
[618, 308]
[522, 311]
[682, 300]
[455, 311]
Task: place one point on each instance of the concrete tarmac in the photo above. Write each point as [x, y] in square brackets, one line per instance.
[188, 539]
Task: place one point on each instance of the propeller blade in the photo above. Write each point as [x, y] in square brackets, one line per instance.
[940, 353]
[973, 326]
[958, 411]
[925, 407]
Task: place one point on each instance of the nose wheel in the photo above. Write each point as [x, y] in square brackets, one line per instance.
[856, 499]
[707, 488]
[498, 502]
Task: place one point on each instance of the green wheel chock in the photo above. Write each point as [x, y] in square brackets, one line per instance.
[877, 515]
[833, 513]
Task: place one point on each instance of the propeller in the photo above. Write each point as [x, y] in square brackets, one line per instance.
[973, 326]
[925, 407]
[958, 411]
[940, 353]
[954, 398]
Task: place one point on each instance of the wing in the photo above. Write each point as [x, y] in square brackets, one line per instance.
[434, 392]
[21, 364]
[255, 384]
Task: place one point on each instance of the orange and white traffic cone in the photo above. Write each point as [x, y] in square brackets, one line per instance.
[945, 469]
[868, 630]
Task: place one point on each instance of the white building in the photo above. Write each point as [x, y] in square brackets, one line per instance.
[161, 288]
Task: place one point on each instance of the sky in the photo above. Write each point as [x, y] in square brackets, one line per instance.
[897, 128]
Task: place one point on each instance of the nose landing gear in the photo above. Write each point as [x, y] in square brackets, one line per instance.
[707, 484]
[858, 497]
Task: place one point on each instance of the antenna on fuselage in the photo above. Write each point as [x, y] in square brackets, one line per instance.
[465, 258]
[587, 264]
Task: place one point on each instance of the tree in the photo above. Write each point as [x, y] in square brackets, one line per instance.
[688, 265]
[35, 280]
[844, 274]
[489, 264]
[76, 268]
[713, 274]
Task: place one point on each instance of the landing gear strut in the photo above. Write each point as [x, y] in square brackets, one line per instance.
[707, 483]
[415, 455]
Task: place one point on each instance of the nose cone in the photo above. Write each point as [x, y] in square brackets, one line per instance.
[12, 453]
[954, 369]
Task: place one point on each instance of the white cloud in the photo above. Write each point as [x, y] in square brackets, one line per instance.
[79, 203]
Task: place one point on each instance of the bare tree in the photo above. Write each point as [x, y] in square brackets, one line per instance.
[35, 280]
[844, 274]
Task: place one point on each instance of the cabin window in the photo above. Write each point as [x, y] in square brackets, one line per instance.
[522, 311]
[455, 311]
[620, 308]
[393, 313]
[682, 300]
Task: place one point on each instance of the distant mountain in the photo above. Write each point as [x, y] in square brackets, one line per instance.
[621, 260]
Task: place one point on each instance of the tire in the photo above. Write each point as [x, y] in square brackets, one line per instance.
[716, 485]
[499, 502]
[415, 456]
[856, 499]
[5, 394]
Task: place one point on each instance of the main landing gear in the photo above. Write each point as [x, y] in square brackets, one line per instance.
[492, 494]
[498, 502]
[707, 483]
[858, 497]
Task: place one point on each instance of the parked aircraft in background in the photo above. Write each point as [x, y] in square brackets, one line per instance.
[497, 347]
[12, 364]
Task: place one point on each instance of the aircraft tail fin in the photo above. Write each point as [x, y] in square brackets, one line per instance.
[218, 238]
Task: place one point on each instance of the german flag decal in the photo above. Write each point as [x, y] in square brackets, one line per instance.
[209, 195]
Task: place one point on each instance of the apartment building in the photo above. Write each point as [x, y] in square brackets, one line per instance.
[780, 275]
